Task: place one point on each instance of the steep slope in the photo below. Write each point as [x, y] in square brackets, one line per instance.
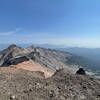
[91, 57]
[34, 66]
[12, 52]
[47, 58]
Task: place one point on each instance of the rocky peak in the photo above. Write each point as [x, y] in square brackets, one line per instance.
[12, 46]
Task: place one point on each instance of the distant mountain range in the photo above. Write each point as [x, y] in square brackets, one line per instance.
[89, 58]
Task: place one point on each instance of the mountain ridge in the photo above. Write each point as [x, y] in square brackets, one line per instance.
[47, 58]
[36, 73]
[50, 58]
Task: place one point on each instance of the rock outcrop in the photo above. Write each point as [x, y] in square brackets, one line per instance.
[81, 71]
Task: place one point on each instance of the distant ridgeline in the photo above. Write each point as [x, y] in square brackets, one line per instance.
[53, 59]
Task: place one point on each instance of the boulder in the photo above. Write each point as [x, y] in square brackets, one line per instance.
[81, 71]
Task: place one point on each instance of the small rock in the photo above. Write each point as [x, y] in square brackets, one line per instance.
[26, 91]
[52, 93]
[98, 95]
[13, 97]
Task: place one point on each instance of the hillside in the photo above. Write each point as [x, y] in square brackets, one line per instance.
[46, 59]
[91, 57]
[18, 84]
[36, 73]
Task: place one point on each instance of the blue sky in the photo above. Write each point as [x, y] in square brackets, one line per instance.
[66, 22]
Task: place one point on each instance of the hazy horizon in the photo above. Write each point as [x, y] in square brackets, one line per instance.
[46, 45]
[73, 23]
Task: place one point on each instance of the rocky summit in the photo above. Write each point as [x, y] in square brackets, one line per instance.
[36, 73]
